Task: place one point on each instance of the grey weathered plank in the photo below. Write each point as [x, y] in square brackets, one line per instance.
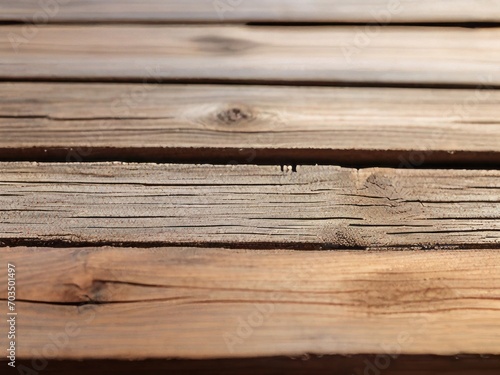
[316, 206]
[374, 11]
[393, 55]
[220, 303]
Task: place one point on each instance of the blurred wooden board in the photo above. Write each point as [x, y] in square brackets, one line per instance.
[212, 303]
[319, 55]
[249, 123]
[314, 207]
[374, 11]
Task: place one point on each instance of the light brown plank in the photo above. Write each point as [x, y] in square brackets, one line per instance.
[326, 207]
[374, 11]
[195, 303]
[249, 122]
[393, 55]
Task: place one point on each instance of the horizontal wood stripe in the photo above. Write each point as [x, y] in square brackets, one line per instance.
[324, 55]
[374, 11]
[247, 122]
[316, 206]
[170, 302]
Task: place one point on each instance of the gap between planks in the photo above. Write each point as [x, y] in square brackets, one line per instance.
[303, 365]
[192, 303]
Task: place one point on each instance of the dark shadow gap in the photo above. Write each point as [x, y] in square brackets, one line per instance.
[374, 22]
[305, 364]
[298, 246]
[260, 156]
[247, 82]
[133, 21]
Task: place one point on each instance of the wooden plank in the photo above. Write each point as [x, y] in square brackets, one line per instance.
[249, 123]
[220, 303]
[316, 206]
[375, 11]
[393, 55]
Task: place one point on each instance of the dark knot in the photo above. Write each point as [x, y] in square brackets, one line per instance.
[234, 115]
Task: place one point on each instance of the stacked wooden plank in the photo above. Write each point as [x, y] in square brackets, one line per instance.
[210, 186]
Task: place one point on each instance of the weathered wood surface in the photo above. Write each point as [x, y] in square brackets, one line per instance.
[258, 119]
[316, 206]
[212, 303]
[374, 11]
[228, 300]
[392, 55]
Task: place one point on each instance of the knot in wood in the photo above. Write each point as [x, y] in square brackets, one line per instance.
[234, 115]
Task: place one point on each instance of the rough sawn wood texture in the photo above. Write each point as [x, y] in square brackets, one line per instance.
[316, 206]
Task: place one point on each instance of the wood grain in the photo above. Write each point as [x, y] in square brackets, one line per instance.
[326, 55]
[247, 122]
[316, 206]
[375, 11]
[172, 302]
